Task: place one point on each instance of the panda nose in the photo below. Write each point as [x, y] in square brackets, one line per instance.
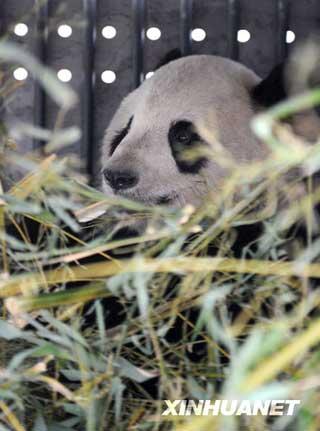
[120, 180]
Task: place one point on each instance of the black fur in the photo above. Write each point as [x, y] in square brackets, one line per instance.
[182, 137]
[119, 137]
[272, 89]
[172, 55]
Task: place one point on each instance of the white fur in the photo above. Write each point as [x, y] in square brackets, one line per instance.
[211, 92]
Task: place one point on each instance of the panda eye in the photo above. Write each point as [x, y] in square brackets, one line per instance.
[182, 138]
[182, 133]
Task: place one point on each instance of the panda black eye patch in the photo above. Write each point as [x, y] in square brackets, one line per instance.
[120, 135]
[182, 137]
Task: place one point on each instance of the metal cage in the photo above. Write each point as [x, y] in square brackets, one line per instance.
[112, 36]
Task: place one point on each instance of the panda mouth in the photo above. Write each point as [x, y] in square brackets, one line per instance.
[161, 200]
[164, 200]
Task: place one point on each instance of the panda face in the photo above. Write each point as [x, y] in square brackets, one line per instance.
[154, 150]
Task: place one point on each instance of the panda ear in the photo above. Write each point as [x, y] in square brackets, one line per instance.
[174, 54]
[272, 89]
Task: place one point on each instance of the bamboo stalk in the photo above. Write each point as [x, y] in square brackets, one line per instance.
[26, 283]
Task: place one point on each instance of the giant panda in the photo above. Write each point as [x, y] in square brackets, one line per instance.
[142, 152]
[187, 100]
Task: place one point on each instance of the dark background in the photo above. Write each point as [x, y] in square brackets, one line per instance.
[87, 54]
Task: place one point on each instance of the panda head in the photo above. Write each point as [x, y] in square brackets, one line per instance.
[146, 146]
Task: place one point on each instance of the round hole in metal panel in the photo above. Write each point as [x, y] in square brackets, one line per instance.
[64, 30]
[243, 35]
[153, 33]
[21, 29]
[20, 74]
[64, 75]
[108, 76]
[109, 32]
[198, 34]
[290, 36]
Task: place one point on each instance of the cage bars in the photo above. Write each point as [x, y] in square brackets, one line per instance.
[186, 9]
[233, 26]
[186, 26]
[282, 27]
[88, 149]
[139, 12]
[39, 111]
